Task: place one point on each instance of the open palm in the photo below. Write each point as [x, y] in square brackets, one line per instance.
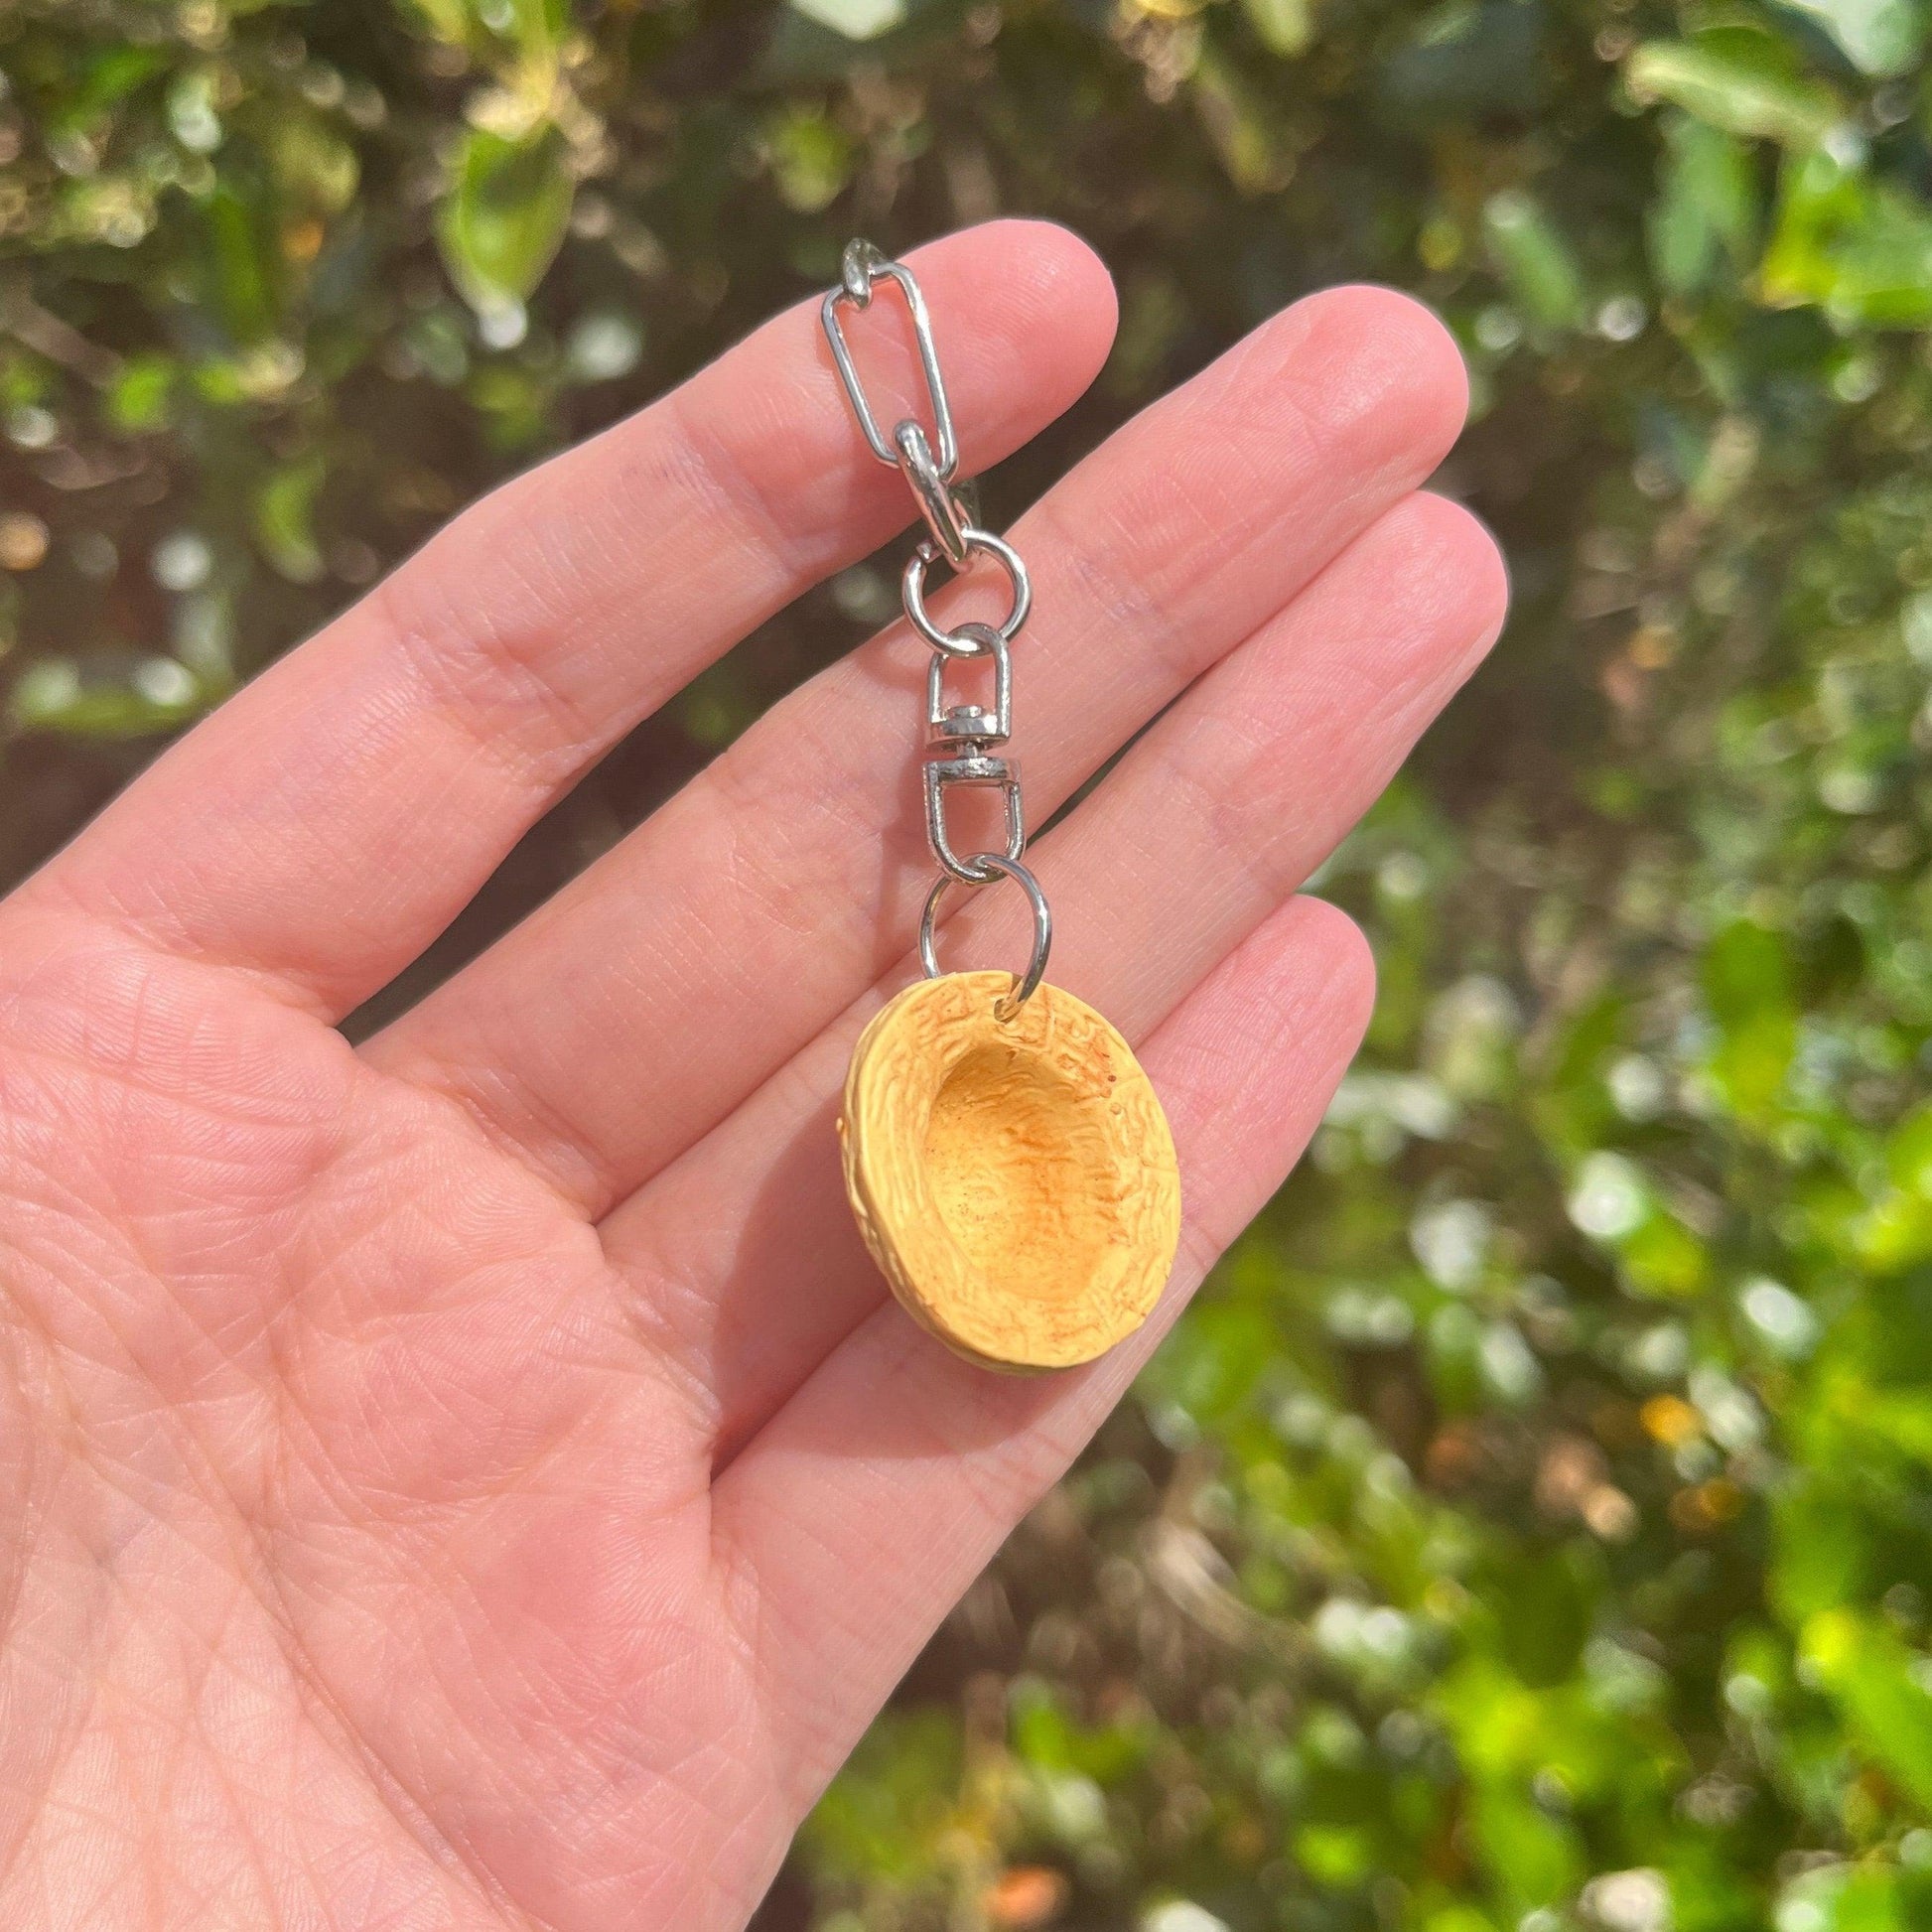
[477, 1478]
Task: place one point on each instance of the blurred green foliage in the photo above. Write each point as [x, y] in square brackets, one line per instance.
[1532, 1526]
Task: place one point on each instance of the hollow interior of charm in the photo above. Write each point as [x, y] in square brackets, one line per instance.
[1023, 1168]
[1014, 1177]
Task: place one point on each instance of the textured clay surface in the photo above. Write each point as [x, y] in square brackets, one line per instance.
[1014, 1179]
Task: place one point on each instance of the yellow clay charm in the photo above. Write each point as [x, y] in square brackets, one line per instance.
[1014, 1178]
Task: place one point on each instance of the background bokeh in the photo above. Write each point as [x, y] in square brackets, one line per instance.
[1530, 1527]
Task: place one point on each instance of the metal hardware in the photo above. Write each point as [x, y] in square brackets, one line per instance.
[961, 737]
[985, 543]
[949, 511]
[1024, 985]
[963, 726]
[858, 272]
[941, 775]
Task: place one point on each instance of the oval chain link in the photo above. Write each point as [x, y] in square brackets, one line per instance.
[963, 742]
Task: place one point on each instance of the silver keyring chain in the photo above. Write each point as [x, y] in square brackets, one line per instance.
[962, 740]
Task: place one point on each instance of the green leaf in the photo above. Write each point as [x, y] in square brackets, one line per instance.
[1748, 982]
[1878, 37]
[514, 401]
[1283, 27]
[140, 398]
[1733, 81]
[538, 26]
[1241, 124]
[241, 268]
[854, 20]
[1903, 1422]
[1335, 1856]
[1875, 1677]
[811, 158]
[1746, 972]
[447, 20]
[1822, 1550]
[55, 696]
[1877, 1900]
[1860, 249]
[1465, 59]
[109, 76]
[1533, 260]
[1908, 1153]
[1665, 1259]
[285, 507]
[1706, 215]
[316, 170]
[506, 215]
[894, 1797]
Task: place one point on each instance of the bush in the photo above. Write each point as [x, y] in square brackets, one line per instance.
[1531, 1528]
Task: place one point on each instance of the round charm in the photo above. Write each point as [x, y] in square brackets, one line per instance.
[1014, 1177]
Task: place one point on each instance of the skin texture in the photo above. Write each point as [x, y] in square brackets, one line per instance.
[479, 1479]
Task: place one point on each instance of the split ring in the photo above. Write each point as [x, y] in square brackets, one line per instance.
[912, 584]
[996, 863]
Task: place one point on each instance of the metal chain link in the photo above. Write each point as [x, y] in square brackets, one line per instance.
[962, 740]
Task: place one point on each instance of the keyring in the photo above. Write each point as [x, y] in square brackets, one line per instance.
[994, 863]
[912, 586]
[1007, 1158]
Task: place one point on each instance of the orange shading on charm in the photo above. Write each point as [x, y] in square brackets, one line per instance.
[1015, 1178]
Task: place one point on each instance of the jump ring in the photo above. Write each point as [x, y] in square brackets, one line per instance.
[912, 584]
[996, 863]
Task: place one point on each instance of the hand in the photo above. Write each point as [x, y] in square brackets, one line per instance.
[478, 1479]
